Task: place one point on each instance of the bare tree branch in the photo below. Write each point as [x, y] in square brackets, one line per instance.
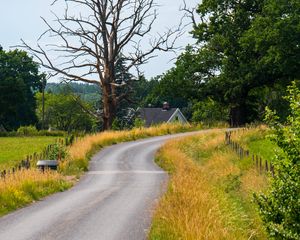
[90, 40]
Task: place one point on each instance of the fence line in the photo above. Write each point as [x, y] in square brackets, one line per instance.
[31, 160]
[260, 164]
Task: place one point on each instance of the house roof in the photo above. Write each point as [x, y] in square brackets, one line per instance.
[156, 115]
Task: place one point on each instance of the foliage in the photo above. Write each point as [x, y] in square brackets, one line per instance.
[65, 112]
[209, 111]
[19, 80]
[27, 131]
[57, 151]
[139, 123]
[88, 93]
[247, 52]
[280, 207]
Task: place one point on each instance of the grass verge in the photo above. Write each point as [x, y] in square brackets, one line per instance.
[210, 192]
[81, 151]
[24, 187]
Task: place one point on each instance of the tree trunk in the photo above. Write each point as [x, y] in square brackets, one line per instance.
[109, 98]
[109, 108]
[237, 116]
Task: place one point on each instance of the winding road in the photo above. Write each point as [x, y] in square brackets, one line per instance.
[113, 201]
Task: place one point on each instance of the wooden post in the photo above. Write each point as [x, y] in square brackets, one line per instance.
[267, 167]
[272, 169]
[256, 162]
[260, 165]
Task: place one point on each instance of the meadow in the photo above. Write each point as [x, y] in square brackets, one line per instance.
[210, 193]
[15, 149]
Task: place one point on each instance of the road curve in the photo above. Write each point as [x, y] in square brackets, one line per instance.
[113, 201]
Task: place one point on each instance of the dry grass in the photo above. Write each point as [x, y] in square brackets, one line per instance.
[209, 196]
[27, 186]
[24, 187]
[81, 150]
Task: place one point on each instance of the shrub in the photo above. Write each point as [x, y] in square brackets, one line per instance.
[280, 206]
[56, 133]
[56, 151]
[139, 123]
[27, 131]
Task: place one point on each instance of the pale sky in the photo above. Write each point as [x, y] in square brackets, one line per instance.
[21, 19]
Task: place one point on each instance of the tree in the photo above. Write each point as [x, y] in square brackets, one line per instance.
[274, 39]
[19, 80]
[280, 206]
[249, 48]
[93, 43]
[222, 25]
[65, 112]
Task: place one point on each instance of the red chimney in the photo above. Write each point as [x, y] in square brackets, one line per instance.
[166, 106]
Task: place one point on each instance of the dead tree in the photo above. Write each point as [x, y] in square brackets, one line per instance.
[90, 38]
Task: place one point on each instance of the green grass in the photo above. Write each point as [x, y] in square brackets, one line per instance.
[258, 143]
[15, 149]
[264, 148]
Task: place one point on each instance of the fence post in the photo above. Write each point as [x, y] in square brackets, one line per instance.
[256, 162]
[272, 169]
[267, 167]
[260, 165]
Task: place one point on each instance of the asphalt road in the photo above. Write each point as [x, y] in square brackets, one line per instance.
[113, 201]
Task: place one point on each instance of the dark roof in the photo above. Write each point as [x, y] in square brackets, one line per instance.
[156, 115]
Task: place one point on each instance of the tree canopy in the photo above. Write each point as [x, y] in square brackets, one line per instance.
[247, 53]
[19, 80]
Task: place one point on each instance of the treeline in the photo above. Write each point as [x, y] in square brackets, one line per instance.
[247, 52]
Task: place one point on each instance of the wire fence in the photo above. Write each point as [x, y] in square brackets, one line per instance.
[31, 160]
[261, 165]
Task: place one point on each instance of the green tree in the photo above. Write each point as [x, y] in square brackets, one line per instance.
[274, 39]
[280, 206]
[209, 111]
[65, 112]
[19, 81]
[223, 24]
[255, 44]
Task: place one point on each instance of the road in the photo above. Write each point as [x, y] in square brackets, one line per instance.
[113, 201]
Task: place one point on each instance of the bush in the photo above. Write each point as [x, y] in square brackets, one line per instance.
[27, 131]
[56, 133]
[280, 206]
[139, 123]
[56, 151]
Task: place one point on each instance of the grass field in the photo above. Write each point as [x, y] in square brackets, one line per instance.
[15, 149]
[210, 194]
[257, 141]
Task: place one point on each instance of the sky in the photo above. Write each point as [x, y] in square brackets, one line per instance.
[21, 19]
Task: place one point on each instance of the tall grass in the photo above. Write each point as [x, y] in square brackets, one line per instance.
[81, 150]
[23, 187]
[26, 186]
[209, 195]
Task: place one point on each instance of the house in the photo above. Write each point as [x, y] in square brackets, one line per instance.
[153, 116]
